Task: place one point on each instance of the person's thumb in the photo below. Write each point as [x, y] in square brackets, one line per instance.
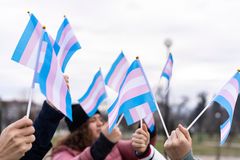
[144, 127]
[184, 131]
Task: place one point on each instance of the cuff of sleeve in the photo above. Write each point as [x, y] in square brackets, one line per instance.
[147, 154]
[101, 148]
[188, 156]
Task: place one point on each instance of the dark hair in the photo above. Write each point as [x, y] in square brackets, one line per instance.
[77, 140]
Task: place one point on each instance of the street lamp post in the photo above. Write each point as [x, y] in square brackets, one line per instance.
[168, 43]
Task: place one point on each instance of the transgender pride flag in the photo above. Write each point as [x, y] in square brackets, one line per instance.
[117, 72]
[227, 98]
[135, 100]
[68, 43]
[95, 94]
[167, 70]
[26, 52]
[149, 120]
[51, 80]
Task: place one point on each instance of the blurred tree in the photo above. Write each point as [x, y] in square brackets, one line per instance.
[198, 127]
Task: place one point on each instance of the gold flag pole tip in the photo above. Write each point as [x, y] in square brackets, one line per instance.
[137, 57]
[44, 27]
[238, 69]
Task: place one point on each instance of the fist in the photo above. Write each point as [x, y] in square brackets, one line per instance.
[178, 144]
[115, 136]
[140, 139]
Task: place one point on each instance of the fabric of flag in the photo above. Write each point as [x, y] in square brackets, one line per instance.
[149, 120]
[135, 100]
[117, 72]
[51, 79]
[227, 98]
[27, 48]
[95, 94]
[68, 43]
[167, 70]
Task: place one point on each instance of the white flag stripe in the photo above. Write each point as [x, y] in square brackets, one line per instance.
[33, 57]
[57, 85]
[121, 73]
[225, 130]
[64, 43]
[231, 89]
[88, 102]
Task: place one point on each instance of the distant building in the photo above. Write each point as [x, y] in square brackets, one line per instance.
[11, 111]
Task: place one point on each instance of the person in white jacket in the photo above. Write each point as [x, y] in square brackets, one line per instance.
[178, 146]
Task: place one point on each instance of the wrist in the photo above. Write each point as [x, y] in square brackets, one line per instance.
[188, 156]
[145, 153]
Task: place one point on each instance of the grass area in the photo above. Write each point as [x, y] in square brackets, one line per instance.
[202, 144]
[205, 145]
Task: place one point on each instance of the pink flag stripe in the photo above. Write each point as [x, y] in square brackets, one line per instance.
[225, 131]
[126, 95]
[118, 75]
[113, 114]
[57, 83]
[90, 100]
[130, 91]
[94, 90]
[131, 81]
[93, 104]
[42, 55]
[94, 95]
[149, 120]
[168, 68]
[140, 112]
[51, 78]
[67, 30]
[134, 82]
[230, 91]
[134, 73]
[67, 48]
[63, 92]
[228, 96]
[134, 92]
[33, 42]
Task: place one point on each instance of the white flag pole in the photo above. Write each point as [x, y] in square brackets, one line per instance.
[209, 104]
[141, 123]
[159, 112]
[120, 119]
[200, 114]
[34, 76]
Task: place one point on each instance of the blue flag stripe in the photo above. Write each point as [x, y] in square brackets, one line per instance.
[90, 87]
[64, 24]
[72, 50]
[25, 38]
[109, 75]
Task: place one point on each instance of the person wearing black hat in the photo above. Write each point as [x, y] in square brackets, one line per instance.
[89, 139]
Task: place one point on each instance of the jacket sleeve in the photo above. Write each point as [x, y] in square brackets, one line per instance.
[151, 154]
[126, 150]
[45, 126]
[101, 148]
[189, 156]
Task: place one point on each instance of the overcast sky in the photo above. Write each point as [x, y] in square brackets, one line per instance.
[205, 34]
